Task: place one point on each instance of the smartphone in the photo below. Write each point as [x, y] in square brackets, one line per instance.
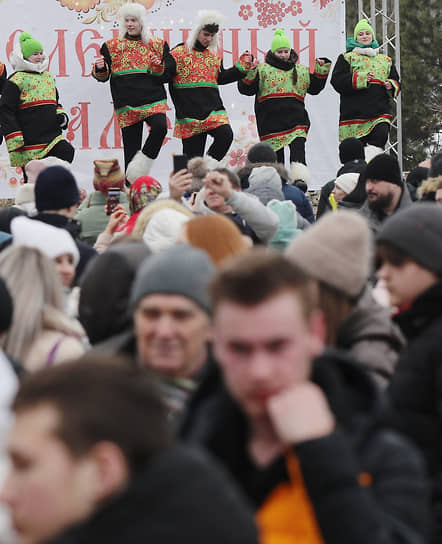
[112, 200]
[179, 163]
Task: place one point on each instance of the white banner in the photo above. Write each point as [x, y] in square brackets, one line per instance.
[72, 32]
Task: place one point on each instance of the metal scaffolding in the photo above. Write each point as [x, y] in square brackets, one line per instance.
[384, 14]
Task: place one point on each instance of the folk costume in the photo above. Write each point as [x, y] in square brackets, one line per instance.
[280, 87]
[365, 110]
[195, 94]
[137, 87]
[31, 117]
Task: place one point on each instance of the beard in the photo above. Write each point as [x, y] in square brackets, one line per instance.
[381, 203]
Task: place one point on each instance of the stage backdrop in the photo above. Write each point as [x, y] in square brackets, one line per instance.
[73, 30]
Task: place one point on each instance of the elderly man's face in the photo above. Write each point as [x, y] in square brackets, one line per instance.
[172, 333]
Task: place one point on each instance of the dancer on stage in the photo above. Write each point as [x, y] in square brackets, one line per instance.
[137, 65]
[366, 81]
[31, 117]
[194, 90]
[280, 86]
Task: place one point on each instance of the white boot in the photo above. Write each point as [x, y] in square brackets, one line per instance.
[371, 151]
[211, 163]
[140, 165]
[299, 172]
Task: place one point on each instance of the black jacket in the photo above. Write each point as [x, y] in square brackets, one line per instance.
[392, 510]
[183, 496]
[416, 387]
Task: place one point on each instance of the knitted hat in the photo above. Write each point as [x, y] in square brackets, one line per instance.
[143, 191]
[29, 45]
[163, 229]
[384, 167]
[280, 41]
[288, 223]
[55, 189]
[261, 152]
[363, 25]
[25, 198]
[347, 182]
[52, 241]
[182, 270]
[351, 149]
[336, 251]
[417, 232]
[197, 166]
[35, 166]
[107, 174]
[6, 307]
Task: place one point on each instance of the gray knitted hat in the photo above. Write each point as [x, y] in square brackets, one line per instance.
[265, 183]
[336, 251]
[417, 232]
[181, 270]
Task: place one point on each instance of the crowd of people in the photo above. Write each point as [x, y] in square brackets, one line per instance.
[219, 361]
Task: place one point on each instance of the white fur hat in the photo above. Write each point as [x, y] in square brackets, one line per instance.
[205, 17]
[347, 182]
[133, 9]
[52, 241]
[299, 171]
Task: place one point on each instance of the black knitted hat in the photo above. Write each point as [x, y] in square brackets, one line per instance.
[55, 189]
[417, 232]
[350, 150]
[436, 166]
[384, 168]
[261, 152]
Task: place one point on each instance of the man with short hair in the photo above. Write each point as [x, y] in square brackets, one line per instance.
[299, 428]
[92, 461]
[409, 255]
[386, 191]
[170, 305]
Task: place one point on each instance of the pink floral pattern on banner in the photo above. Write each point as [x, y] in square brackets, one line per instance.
[79, 5]
[245, 11]
[295, 8]
[238, 158]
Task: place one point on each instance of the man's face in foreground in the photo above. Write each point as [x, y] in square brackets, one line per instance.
[265, 349]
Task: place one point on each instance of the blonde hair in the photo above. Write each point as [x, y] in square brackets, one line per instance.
[37, 293]
[151, 209]
[216, 235]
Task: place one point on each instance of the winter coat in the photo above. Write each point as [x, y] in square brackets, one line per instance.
[364, 482]
[281, 116]
[194, 91]
[416, 387]
[372, 338]
[302, 203]
[181, 496]
[31, 116]
[355, 166]
[137, 85]
[364, 104]
[74, 229]
[60, 340]
[105, 288]
[252, 217]
[92, 216]
[376, 218]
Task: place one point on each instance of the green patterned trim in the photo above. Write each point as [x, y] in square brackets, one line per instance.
[133, 71]
[20, 158]
[240, 67]
[14, 141]
[192, 120]
[198, 84]
[139, 108]
[358, 128]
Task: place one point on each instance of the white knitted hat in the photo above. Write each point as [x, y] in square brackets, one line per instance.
[52, 241]
[347, 182]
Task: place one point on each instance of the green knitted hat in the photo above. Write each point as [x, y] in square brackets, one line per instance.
[29, 45]
[363, 25]
[280, 41]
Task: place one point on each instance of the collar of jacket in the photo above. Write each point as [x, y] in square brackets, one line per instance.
[281, 64]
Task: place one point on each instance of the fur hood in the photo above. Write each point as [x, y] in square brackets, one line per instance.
[245, 170]
[22, 65]
[138, 12]
[430, 185]
[205, 17]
